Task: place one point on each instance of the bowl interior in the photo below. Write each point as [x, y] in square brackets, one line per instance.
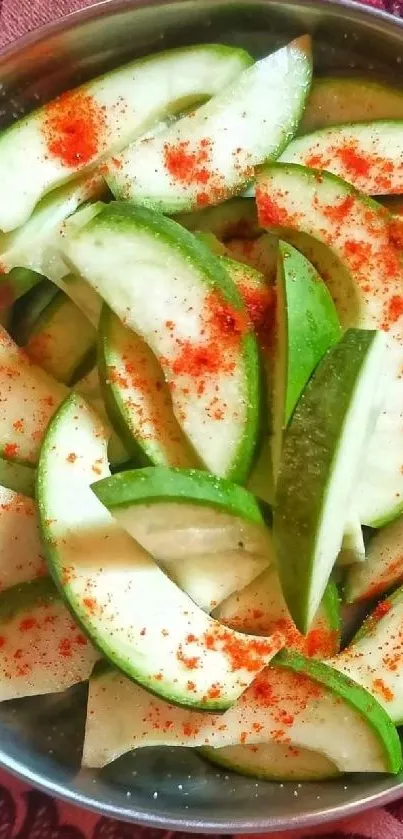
[41, 738]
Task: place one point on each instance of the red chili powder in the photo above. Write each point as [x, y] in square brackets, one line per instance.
[393, 662]
[74, 128]
[338, 212]
[260, 306]
[65, 648]
[48, 400]
[27, 624]
[197, 360]
[383, 690]
[187, 164]
[393, 573]
[279, 736]
[222, 327]
[10, 372]
[381, 610]
[284, 717]
[396, 231]
[10, 450]
[116, 378]
[385, 172]
[395, 308]
[214, 692]
[317, 160]
[90, 604]
[223, 319]
[81, 640]
[135, 377]
[390, 257]
[242, 654]
[187, 729]
[148, 409]
[358, 253]
[270, 213]
[353, 162]
[276, 688]
[263, 690]
[257, 726]
[202, 199]
[190, 662]
[320, 643]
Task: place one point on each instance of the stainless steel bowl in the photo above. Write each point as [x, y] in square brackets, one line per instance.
[40, 738]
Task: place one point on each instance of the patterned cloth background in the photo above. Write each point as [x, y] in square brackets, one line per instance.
[29, 814]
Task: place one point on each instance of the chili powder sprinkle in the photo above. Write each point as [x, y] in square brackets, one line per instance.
[242, 654]
[197, 360]
[189, 662]
[187, 165]
[383, 690]
[396, 232]
[395, 308]
[74, 128]
[338, 212]
[66, 648]
[190, 164]
[260, 305]
[10, 450]
[222, 329]
[381, 610]
[352, 160]
[27, 624]
[348, 160]
[270, 213]
[320, 642]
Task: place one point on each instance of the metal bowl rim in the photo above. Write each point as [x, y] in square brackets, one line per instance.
[96, 10]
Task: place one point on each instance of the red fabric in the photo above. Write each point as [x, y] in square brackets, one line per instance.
[29, 814]
[20, 16]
